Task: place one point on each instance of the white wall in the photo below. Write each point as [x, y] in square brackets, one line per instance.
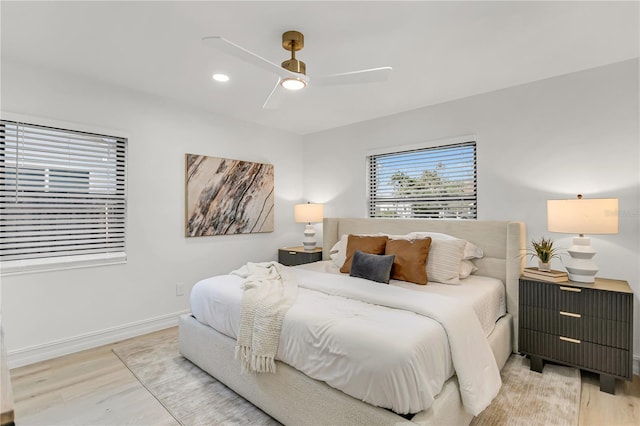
[549, 139]
[45, 314]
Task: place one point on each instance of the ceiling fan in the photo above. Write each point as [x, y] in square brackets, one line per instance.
[292, 73]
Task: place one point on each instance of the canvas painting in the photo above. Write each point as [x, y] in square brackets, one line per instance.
[225, 196]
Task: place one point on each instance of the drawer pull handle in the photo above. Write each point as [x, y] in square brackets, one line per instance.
[292, 252]
[570, 314]
[568, 339]
[575, 290]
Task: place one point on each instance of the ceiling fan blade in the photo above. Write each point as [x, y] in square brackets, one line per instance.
[240, 52]
[373, 75]
[276, 97]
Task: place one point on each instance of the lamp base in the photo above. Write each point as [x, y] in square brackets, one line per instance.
[309, 241]
[580, 266]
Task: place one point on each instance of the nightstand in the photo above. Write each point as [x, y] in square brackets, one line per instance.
[588, 326]
[292, 256]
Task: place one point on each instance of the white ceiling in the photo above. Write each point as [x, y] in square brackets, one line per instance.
[439, 51]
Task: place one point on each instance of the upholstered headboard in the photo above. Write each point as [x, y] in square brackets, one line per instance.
[503, 243]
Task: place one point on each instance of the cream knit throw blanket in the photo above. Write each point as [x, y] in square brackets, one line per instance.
[268, 294]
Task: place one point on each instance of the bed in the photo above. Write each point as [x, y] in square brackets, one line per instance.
[294, 398]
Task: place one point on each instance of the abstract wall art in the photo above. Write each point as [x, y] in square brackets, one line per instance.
[225, 196]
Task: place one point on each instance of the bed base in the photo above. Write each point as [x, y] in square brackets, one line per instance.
[293, 398]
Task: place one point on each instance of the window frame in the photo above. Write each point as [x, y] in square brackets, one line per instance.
[373, 202]
[55, 263]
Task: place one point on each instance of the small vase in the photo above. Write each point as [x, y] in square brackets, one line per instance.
[545, 267]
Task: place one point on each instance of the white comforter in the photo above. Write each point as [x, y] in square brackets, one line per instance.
[340, 330]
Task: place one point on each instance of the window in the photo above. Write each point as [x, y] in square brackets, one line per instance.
[433, 183]
[62, 198]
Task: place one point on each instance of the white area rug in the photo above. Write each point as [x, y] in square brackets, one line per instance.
[531, 399]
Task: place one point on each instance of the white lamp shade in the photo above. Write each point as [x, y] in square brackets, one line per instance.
[307, 213]
[583, 216]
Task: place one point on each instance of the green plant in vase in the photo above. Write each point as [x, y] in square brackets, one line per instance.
[543, 250]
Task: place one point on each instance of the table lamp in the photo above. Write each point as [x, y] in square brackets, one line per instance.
[582, 216]
[308, 213]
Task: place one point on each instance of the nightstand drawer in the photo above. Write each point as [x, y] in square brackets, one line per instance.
[577, 300]
[609, 305]
[292, 256]
[552, 296]
[582, 354]
[576, 326]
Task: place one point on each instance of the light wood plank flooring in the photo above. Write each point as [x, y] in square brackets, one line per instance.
[91, 387]
[600, 408]
[94, 388]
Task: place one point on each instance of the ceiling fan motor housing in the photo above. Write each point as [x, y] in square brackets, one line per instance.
[293, 41]
[295, 65]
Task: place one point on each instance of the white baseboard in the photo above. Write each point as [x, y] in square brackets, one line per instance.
[30, 355]
[636, 365]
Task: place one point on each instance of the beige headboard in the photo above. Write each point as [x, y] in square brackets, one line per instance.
[503, 243]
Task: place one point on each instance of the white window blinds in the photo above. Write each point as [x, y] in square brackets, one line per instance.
[62, 196]
[433, 183]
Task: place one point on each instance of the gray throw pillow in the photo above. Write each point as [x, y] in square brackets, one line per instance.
[374, 267]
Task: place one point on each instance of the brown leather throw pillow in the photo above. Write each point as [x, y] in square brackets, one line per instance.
[411, 259]
[366, 244]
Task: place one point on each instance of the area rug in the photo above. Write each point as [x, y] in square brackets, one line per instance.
[193, 397]
[530, 398]
[188, 393]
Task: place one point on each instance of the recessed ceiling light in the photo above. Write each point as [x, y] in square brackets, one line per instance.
[221, 77]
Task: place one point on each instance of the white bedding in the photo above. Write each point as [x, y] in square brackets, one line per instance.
[485, 294]
[403, 374]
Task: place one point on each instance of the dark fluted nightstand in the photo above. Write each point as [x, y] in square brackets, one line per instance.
[291, 256]
[588, 326]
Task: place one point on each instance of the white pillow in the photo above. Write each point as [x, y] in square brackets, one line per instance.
[466, 268]
[443, 263]
[338, 252]
[471, 251]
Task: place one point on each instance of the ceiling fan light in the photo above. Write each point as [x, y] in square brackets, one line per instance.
[291, 83]
[223, 78]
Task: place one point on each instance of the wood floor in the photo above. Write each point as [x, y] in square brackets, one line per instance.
[94, 388]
